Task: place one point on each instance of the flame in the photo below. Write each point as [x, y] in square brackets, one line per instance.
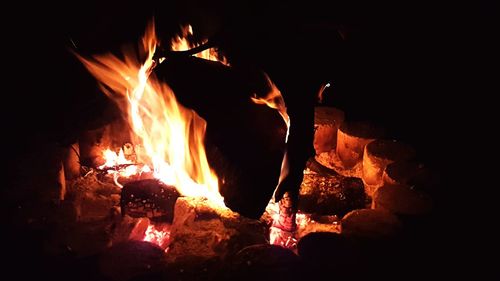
[274, 99]
[171, 136]
[183, 43]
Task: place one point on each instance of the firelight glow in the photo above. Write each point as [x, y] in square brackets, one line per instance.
[171, 136]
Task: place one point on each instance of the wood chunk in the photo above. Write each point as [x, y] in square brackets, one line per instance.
[352, 137]
[330, 195]
[327, 121]
[402, 200]
[371, 224]
[149, 198]
[202, 230]
[245, 142]
[377, 155]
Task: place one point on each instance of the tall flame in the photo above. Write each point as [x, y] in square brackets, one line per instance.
[171, 136]
[182, 42]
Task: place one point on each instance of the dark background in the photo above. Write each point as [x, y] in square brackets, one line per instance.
[404, 66]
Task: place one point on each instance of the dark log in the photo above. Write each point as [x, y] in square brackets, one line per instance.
[244, 141]
[331, 194]
[149, 198]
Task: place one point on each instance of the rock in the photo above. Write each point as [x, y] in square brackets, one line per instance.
[132, 259]
[402, 200]
[352, 137]
[330, 254]
[93, 199]
[264, 262]
[327, 121]
[202, 230]
[377, 155]
[408, 173]
[370, 224]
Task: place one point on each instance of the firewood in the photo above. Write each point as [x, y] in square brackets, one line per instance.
[327, 121]
[371, 224]
[352, 137]
[377, 155]
[245, 141]
[149, 198]
[330, 195]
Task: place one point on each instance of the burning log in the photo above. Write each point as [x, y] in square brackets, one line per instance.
[377, 155]
[327, 121]
[330, 194]
[247, 176]
[371, 224]
[352, 138]
[200, 230]
[149, 198]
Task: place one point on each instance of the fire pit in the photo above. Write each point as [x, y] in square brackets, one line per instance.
[181, 185]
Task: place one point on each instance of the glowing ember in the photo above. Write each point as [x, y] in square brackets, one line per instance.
[281, 237]
[171, 136]
[183, 42]
[159, 236]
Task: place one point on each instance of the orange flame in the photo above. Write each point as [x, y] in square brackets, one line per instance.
[183, 43]
[275, 100]
[171, 136]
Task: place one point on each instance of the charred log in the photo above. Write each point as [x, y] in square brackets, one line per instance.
[149, 198]
[244, 141]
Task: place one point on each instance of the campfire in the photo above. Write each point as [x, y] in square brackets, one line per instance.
[190, 182]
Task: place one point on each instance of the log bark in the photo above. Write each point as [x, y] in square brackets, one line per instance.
[351, 141]
[377, 155]
[327, 121]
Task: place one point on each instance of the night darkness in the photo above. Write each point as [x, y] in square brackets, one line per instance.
[387, 63]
